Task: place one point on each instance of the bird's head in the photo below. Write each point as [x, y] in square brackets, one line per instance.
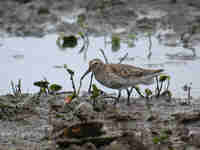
[95, 65]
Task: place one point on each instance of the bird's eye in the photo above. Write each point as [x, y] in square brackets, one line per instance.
[95, 63]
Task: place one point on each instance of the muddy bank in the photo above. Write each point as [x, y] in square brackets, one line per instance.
[47, 122]
[37, 18]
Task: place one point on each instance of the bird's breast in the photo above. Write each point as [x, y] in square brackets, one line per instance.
[110, 81]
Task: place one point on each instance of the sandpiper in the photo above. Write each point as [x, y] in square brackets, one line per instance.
[121, 76]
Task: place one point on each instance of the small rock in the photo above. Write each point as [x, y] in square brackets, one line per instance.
[74, 147]
[89, 146]
[84, 111]
[127, 142]
[195, 139]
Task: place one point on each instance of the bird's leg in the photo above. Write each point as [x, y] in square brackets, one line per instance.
[131, 90]
[118, 97]
[129, 94]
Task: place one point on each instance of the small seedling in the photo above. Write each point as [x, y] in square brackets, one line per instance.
[16, 88]
[54, 88]
[95, 94]
[71, 73]
[148, 93]
[43, 85]
[161, 80]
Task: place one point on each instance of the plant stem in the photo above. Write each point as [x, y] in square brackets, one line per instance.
[138, 91]
[189, 96]
[73, 84]
[168, 83]
[105, 58]
[158, 89]
[161, 85]
[123, 58]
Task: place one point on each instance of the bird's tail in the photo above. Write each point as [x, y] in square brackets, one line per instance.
[149, 79]
[158, 71]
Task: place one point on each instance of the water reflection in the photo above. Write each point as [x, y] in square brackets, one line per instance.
[18, 56]
[42, 57]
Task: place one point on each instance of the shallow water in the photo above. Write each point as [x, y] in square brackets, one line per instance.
[32, 59]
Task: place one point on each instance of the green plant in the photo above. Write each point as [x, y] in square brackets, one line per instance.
[148, 93]
[162, 137]
[16, 88]
[138, 91]
[115, 43]
[95, 93]
[71, 73]
[55, 88]
[163, 78]
[43, 85]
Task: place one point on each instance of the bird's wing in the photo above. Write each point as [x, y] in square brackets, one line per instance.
[126, 71]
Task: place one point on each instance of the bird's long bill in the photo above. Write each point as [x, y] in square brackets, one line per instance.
[88, 71]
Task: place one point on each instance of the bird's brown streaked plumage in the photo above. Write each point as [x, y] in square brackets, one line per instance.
[121, 76]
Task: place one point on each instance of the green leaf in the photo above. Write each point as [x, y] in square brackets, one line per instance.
[115, 43]
[43, 90]
[73, 95]
[81, 34]
[156, 140]
[137, 88]
[65, 66]
[164, 137]
[167, 92]
[55, 87]
[163, 78]
[95, 91]
[132, 36]
[41, 84]
[148, 92]
[71, 72]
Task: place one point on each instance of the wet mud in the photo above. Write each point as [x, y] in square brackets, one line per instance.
[48, 122]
